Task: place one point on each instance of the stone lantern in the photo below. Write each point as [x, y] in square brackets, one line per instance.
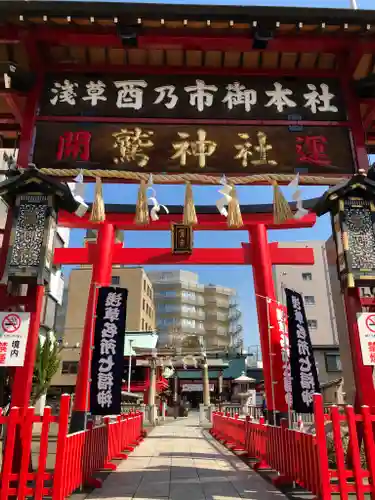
[351, 205]
[244, 392]
[34, 200]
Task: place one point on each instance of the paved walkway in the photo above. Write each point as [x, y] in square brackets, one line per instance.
[181, 461]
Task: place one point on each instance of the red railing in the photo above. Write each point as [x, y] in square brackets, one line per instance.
[78, 456]
[323, 464]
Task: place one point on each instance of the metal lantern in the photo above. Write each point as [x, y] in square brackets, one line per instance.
[34, 200]
[352, 208]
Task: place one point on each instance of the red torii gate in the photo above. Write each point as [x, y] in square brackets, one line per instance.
[259, 253]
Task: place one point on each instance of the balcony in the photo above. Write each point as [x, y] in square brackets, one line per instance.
[216, 316]
[217, 302]
[193, 314]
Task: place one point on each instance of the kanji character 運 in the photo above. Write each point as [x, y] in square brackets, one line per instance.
[131, 143]
[75, 146]
[311, 149]
[200, 148]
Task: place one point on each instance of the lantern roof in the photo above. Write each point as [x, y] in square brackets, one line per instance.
[32, 181]
[244, 379]
[358, 185]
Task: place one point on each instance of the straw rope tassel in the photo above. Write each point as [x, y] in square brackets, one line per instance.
[142, 217]
[98, 207]
[234, 218]
[281, 208]
[190, 216]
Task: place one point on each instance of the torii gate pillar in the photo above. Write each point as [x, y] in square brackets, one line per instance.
[269, 338]
[101, 276]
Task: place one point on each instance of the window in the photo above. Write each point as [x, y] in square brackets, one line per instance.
[69, 368]
[143, 324]
[309, 300]
[115, 280]
[306, 276]
[312, 323]
[144, 305]
[49, 312]
[144, 285]
[333, 362]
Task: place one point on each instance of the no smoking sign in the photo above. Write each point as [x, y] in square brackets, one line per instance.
[11, 323]
[370, 323]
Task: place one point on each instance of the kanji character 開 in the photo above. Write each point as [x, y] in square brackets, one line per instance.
[104, 398]
[95, 91]
[201, 94]
[166, 92]
[75, 146]
[263, 148]
[131, 143]
[305, 365]
[64, 93]
[307, 381]
[113, 299]
[307, 397]
[279, 98]
[200, 148]
[244, 150]
[238, 94]
[107, 346]
[112, 313]
[313, 99]
[109, 330]
[105, 381]
[106, 364]
[303, 348]
[130, 93]
[311, 149]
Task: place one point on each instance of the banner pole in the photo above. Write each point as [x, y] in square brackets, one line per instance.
[287, 349]
[268, 300]
[88, 386]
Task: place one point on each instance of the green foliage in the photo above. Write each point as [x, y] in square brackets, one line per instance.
[46, 366]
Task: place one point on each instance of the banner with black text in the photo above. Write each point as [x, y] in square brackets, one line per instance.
[107, 364]
[305, 381]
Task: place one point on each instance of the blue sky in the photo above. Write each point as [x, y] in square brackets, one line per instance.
[239, 277]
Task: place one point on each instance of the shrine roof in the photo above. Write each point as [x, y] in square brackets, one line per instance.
[130, 37]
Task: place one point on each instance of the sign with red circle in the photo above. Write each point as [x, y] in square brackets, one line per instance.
[11, 323]
[370, 323]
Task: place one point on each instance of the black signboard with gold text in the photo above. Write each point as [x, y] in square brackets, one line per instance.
[193, 97]
[234, 149]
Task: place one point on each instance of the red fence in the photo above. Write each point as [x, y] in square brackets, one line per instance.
[333, 460]
[78, 456]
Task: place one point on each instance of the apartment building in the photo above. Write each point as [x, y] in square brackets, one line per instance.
[140, 315]
[319, 291]
[185, 307]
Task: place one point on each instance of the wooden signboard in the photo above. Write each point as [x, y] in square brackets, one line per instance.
[210, 149]
[193, 97]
